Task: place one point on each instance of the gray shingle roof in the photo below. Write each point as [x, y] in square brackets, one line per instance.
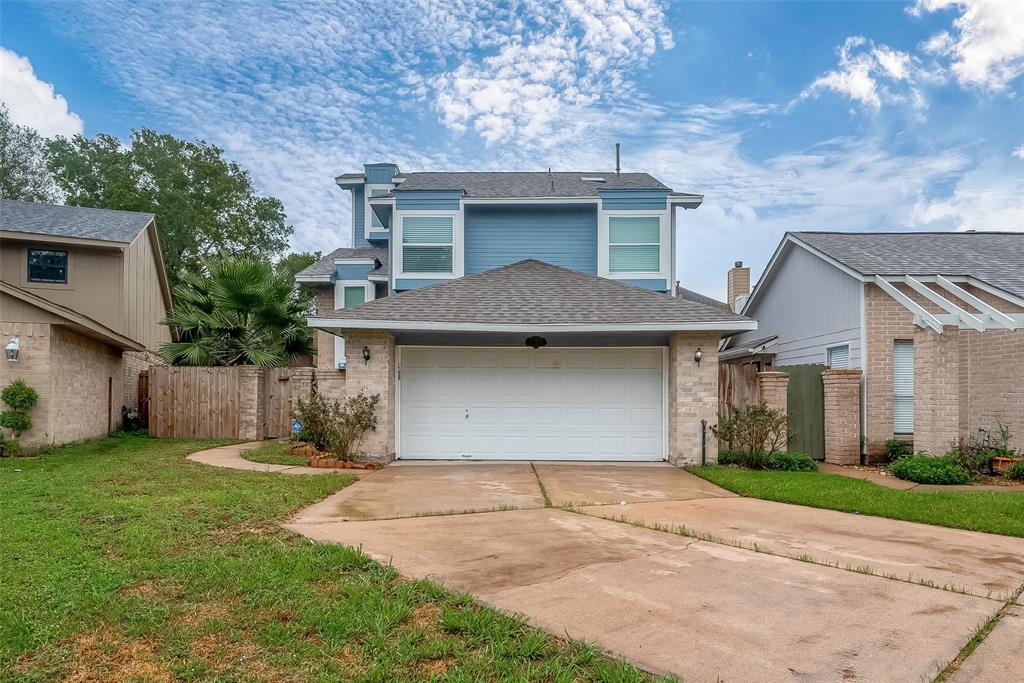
[996, 258]
[535, 293]
[691, 295]
[72, 221]
[529, 184]
[325, 266]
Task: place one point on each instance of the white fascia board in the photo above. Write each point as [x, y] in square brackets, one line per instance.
[336, 323]
[994, 314]
[377, 278]
[324, 279]
[692, 202]
[382, 201]
[345, 182]
[532, 200]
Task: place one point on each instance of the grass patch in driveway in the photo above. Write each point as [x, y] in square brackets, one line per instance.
[124, 561]
[273, 453]
[994, 512]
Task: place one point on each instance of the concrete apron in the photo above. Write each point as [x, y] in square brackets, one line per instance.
[671, 603]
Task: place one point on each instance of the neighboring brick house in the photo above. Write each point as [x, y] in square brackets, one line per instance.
[520, 316]
[934, 320]
[82, 293]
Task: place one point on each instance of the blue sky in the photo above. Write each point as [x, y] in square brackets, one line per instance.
[787, 116]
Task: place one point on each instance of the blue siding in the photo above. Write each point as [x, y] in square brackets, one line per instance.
[560, 235]
[625, 200]
[358, 227]
[655, 284]
[427, 200]
[377, 174]
[402, 284]
[352, 271]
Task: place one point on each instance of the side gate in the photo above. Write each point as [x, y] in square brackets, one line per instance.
[805, 402]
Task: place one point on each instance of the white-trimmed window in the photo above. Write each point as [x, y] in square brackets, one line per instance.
[838, 356]
[634, 244]
[428, 244]
[372, 223]
[903, 387]
[349, 294]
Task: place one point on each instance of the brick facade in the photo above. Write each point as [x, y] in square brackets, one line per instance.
[135, 362]
[692, 397]
[324, 301]
[964, 379]
[773, 387]
[842, 416]
[376, 376]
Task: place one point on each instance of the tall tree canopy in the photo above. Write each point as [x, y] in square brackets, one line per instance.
[237, 310]
[23, 171]
[204, 203]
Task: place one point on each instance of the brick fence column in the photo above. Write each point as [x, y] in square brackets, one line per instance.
[842, 416]
[376, 376]
[774, 389]
[936, 390]
[251, 396]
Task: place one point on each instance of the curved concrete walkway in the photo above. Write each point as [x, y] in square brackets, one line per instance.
[231, 458]
[902, 485]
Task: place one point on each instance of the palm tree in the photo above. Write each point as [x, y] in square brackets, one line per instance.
[237, 312]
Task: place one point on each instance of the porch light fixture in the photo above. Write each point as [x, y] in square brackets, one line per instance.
[12, 350]
[366, 355]
[697, 355]
[536, 342]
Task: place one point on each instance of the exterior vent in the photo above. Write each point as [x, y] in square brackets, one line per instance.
[592, 178]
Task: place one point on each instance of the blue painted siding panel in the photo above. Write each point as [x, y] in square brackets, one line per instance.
[561, 235]
[402, 284]
[358, 196]
[427, 201]
[626, 200]
[352, 272]
[379, 173]
[654, 284]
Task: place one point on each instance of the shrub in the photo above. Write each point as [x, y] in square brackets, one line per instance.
[337, 427]
[20, 399]
[754, 461]
[754, 429]
[925, 469]
[898, 448]
[791, 462]
[972, 458]
[1016, 471]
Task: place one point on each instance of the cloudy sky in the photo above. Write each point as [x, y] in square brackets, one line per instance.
[786, 116]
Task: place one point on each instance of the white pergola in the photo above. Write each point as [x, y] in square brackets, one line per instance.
[983, 317]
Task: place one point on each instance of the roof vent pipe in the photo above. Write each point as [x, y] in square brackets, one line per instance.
[617, 165]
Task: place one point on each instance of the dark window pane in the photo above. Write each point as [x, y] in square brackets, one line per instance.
[47, 265]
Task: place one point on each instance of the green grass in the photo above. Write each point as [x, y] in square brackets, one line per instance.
[991, 511]
[121, 560]
[274, 454]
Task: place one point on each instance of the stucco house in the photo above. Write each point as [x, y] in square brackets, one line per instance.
[934, 320]
[520, 316]
[82, 293]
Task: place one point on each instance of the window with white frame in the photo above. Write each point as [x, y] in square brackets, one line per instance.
[903, 387]
[375, 224]
[349, 294]
[838, 356]
[634, 244]
[428, 244]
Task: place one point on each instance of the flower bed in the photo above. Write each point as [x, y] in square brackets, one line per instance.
[328, 461]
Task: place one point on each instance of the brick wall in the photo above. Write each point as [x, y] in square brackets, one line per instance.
[135, 362]
[251, 402]
[842, 416]
[324, 301]
[936, 389]
[33, 366]
[84, 371]
[693, 396]
[374, 377]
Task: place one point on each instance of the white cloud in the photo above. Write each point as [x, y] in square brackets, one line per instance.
[1018, 152]
[32, 102]
[988, 48]
[864, 69]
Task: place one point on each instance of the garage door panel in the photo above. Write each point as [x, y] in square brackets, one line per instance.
[581, 404]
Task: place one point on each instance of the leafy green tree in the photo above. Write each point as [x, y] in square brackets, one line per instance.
[291, 265]
[235, 310]
[204, 204]
[23, 171]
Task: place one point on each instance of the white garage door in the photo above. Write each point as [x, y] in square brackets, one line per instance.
[543, 404]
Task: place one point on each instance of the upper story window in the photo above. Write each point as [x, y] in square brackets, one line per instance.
[375, 223]
[48, 265]
[634, 244]
[427, 244]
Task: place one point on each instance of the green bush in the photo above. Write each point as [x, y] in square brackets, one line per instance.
[791, 462]
[898, 448]
[1016, 471]
[753, 429]
[336, 427]
[971, 458]
[925, 469]
[754, 461]
[20, 399]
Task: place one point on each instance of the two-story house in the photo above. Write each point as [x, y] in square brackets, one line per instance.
[82, 293]
[520, 316]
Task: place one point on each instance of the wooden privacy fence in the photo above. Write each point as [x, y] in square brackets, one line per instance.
[737, 388]
[806, 407]
[241, 402]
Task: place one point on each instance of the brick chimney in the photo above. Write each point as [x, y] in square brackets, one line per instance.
[738, 285]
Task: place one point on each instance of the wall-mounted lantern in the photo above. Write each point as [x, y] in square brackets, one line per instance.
[366, 355]
[697, 355]
[12, 350]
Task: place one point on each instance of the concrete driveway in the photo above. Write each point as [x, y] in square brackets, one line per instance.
[679, 576]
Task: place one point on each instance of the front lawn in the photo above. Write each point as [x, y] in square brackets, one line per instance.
[992, 511]
[273, 453]
[121, 560]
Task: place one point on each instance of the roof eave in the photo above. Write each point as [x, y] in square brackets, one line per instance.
[420, 325]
